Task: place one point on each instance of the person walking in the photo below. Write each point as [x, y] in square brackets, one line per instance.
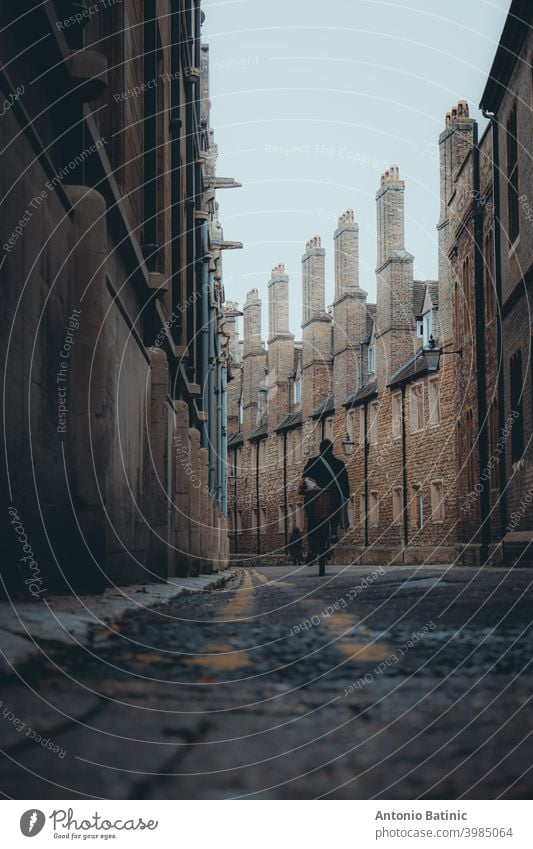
[325, 487]
[295, 549]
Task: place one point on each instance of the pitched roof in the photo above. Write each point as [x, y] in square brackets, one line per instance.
[515, 31]
[290, 421]
[260, 432]
[413, 368]
[370, 317]
[419, 293]
[235, 439]
[325, 407]
[363, 394]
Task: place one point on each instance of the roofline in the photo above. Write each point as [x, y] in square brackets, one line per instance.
[511, 41]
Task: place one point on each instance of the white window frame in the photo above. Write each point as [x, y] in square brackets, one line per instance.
[434, 401]
[397, 424]
[373, 425]
[371, 359]
[297, 390]
[427, 320]
[397, 505]
[416, 427]
[362, 432]
[437, 507]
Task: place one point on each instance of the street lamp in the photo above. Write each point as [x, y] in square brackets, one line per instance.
[348, 445]
[432, 355]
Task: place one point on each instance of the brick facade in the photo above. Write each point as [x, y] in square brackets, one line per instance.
[115, 433]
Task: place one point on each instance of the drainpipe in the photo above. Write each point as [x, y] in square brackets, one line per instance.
[483, 449]
[366, 473]
[218, 468]
[405, 481]
[257, 513]
[150, 247]
[205, 367]
[235, 510]
[496, 240]
[223, 479]
[175, 170]
[285, 494]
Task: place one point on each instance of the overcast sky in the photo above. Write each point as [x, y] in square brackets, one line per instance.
[313, 100]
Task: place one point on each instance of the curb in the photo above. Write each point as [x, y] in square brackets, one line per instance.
[73, 620]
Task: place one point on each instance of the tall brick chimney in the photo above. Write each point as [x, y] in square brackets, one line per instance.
[280, 345]
[394, 314]
[316, 328]
[253, 360]
[455, 141]
[349, 309]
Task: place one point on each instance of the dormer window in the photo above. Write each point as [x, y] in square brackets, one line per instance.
[427, 320]
[262, 402]
[371, 359]
[297, 392]
[420, 328]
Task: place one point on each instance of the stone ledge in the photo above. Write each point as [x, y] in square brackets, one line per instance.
[73, 620]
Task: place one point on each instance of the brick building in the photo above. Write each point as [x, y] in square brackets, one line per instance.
[428, 392]
[111, 270]
[359, 377]
[507, 102]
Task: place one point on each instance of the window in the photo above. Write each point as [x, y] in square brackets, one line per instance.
[263, 518]
[420, 328]
[417, 407]
[428, 327]
[239, 521]
[297, 391]
[371, 359]
[281, 447]
[362, 507]
[512, 175]
[434, 401]
[517, 406]
[254, 519]
[397, 505]
[397, 415]
[373, 423]
[241, 411]
[493, 445]
[437, 501]
[328, 429]
[373, 513]
[262, 402]
[418, 498]
[291, 516]
[350, 425]
[281, 520]
[362, 432]
[489, 278]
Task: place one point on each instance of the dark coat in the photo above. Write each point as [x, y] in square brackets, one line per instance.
[330, 473]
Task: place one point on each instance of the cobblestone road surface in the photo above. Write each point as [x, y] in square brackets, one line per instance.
[397, 683]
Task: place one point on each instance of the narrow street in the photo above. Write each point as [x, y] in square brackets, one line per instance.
[370, 683]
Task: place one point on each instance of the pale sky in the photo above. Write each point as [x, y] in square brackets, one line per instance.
[312, 100]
